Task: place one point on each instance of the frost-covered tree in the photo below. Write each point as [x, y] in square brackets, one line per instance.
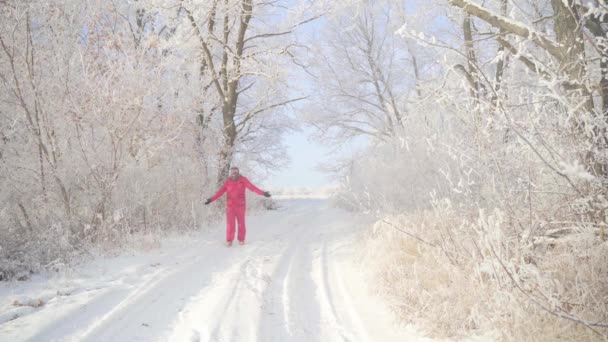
[118, 115]
[499, 169]
[242, 49]
[80, 115]
[360, 72]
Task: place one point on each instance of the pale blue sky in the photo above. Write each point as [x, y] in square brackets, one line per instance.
[305, 156]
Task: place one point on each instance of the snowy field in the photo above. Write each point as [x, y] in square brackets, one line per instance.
[296, 279]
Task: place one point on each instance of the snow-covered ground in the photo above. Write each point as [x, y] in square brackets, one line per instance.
[296, 279]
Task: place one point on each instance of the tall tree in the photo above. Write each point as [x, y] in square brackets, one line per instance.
[568, 52]
[359, 70]
[232, 54]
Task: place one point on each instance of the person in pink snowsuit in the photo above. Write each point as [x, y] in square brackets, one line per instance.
[234, 187]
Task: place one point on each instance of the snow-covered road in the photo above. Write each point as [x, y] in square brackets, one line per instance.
[294, 280]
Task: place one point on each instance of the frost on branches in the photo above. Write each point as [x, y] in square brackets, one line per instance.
[487, 162]
[116, 117]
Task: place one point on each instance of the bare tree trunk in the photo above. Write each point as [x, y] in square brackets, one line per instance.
[384, 93]
[38, 123]
[223, 54]
[416, 69]
[202, 119]
[417, 78]
[472, 72]
[594, 24]
[470, 53]
[569, 32]
[26, 217]
[568, 51]
[226, 81]
[500, 66]
[231, 84]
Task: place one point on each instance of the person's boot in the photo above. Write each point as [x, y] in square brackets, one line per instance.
[228, 243]
[241, 242]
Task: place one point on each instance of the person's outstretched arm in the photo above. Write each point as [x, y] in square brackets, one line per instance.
[255, 188]
[217, 195]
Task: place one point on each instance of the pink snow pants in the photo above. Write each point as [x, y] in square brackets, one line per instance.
[235, 213]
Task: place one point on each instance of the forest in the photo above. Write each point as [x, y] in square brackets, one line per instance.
[485, 158]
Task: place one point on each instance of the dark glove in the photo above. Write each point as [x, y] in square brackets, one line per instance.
[208, 201]
[266, 194]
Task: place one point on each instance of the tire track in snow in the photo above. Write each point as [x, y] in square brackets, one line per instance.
[289, 284]
[241, 304]
[237, 287]
[109, 301]
[341, 320]
[144, 310]
[245, 293]
[333, 324]
[298, 306]
[228, 308]
[341, 295]
[290, 311]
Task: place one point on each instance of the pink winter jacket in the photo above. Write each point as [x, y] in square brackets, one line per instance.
[235, 191]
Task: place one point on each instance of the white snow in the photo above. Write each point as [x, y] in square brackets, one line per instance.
[296, 279]
[576, 170]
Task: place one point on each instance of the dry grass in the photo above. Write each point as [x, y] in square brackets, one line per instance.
[475, 280]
